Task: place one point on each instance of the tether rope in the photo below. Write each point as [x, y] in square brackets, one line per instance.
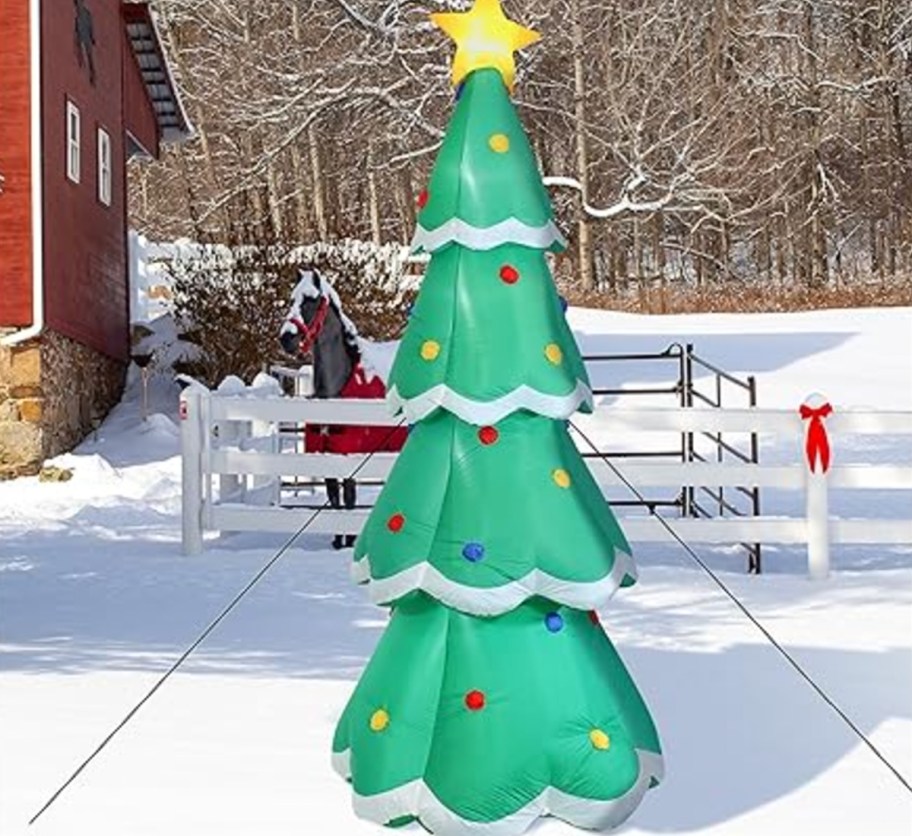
[287, 545]
[734, 599]
[205, 634]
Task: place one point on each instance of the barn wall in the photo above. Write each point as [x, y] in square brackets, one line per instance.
[85, 258]
[15, 191]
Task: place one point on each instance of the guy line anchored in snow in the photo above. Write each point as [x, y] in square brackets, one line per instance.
[205, 634]
[747, 613]
[291, 540]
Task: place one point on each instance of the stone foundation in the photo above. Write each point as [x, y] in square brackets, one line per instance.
[21, 440]
[53, 392]
[79, 386]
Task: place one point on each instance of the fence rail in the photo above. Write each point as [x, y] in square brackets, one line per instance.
[212, 451]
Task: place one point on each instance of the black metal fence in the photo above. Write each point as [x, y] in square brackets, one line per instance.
[689, 390]
[682, 382]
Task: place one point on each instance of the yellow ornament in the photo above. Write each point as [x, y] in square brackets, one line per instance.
[553, 353]
[430, 349]
[379, 720]
[599, 739]
[484, 37]
[561, 478]
[499, 143]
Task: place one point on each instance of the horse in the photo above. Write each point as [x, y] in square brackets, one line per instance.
[317, 324]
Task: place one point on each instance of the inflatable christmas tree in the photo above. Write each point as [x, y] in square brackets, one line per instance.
[494, 696]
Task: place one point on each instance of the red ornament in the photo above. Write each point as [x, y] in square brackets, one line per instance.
[395, 523]
[593, 617]
[488, 435]
[423, 198]
[817, 443]
[509, 274]
[475, 700]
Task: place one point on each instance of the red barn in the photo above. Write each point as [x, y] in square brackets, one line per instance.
[84, 86]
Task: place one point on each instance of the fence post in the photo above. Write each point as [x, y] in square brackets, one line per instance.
[755, 560]
[230, 484]
[815, 410]
[191, 471]
[304, 382]
[687, 401]
[136, 264]
[265, 436]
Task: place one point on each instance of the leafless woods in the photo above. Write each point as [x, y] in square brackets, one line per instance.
[710, 140]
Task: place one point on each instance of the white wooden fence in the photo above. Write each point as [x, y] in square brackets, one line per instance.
[150, 283]
[210, 454]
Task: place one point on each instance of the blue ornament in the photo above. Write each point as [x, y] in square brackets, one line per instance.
[564, 304]
[459, 90]
[409, 309]
[554, 622]
[473, 552]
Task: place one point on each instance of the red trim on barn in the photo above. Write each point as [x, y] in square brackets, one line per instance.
[15, 168]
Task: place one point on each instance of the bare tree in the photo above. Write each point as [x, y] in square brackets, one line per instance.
[732, 140]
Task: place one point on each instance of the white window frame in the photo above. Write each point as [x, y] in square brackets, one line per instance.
[73, 145]
[104, 167]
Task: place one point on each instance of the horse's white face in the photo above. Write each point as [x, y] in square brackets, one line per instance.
[310, 286]
[310, 290]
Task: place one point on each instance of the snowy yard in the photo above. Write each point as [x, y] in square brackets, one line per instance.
[96, 602]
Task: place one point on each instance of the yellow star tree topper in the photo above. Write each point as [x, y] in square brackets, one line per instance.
[484, 37]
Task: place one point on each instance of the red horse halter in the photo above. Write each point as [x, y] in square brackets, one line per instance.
[309, 333]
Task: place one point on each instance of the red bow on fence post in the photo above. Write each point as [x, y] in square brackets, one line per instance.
[817, 444]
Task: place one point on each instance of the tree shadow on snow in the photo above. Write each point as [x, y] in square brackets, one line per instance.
[97, 599]
[738, 726]
[741, 729]
[740, 354]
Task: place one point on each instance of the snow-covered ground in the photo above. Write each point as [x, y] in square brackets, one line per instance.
[96, 602]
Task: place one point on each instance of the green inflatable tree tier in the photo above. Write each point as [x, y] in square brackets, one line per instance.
[494, 696]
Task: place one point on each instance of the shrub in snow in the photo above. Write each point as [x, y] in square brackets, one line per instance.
[231, 301]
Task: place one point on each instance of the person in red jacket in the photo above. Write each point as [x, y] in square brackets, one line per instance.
[316, 324]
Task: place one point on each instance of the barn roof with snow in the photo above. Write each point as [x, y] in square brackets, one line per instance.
[164, 94]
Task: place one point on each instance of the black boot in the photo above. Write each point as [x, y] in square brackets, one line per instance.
[350, 498]
[334, 498]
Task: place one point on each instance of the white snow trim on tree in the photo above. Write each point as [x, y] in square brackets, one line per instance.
[481, 413]
[307, 288]
[510, 231]
[494, 600]
[417, 799]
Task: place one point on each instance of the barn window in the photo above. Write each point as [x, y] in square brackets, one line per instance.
[104, 167]
[72, 151]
